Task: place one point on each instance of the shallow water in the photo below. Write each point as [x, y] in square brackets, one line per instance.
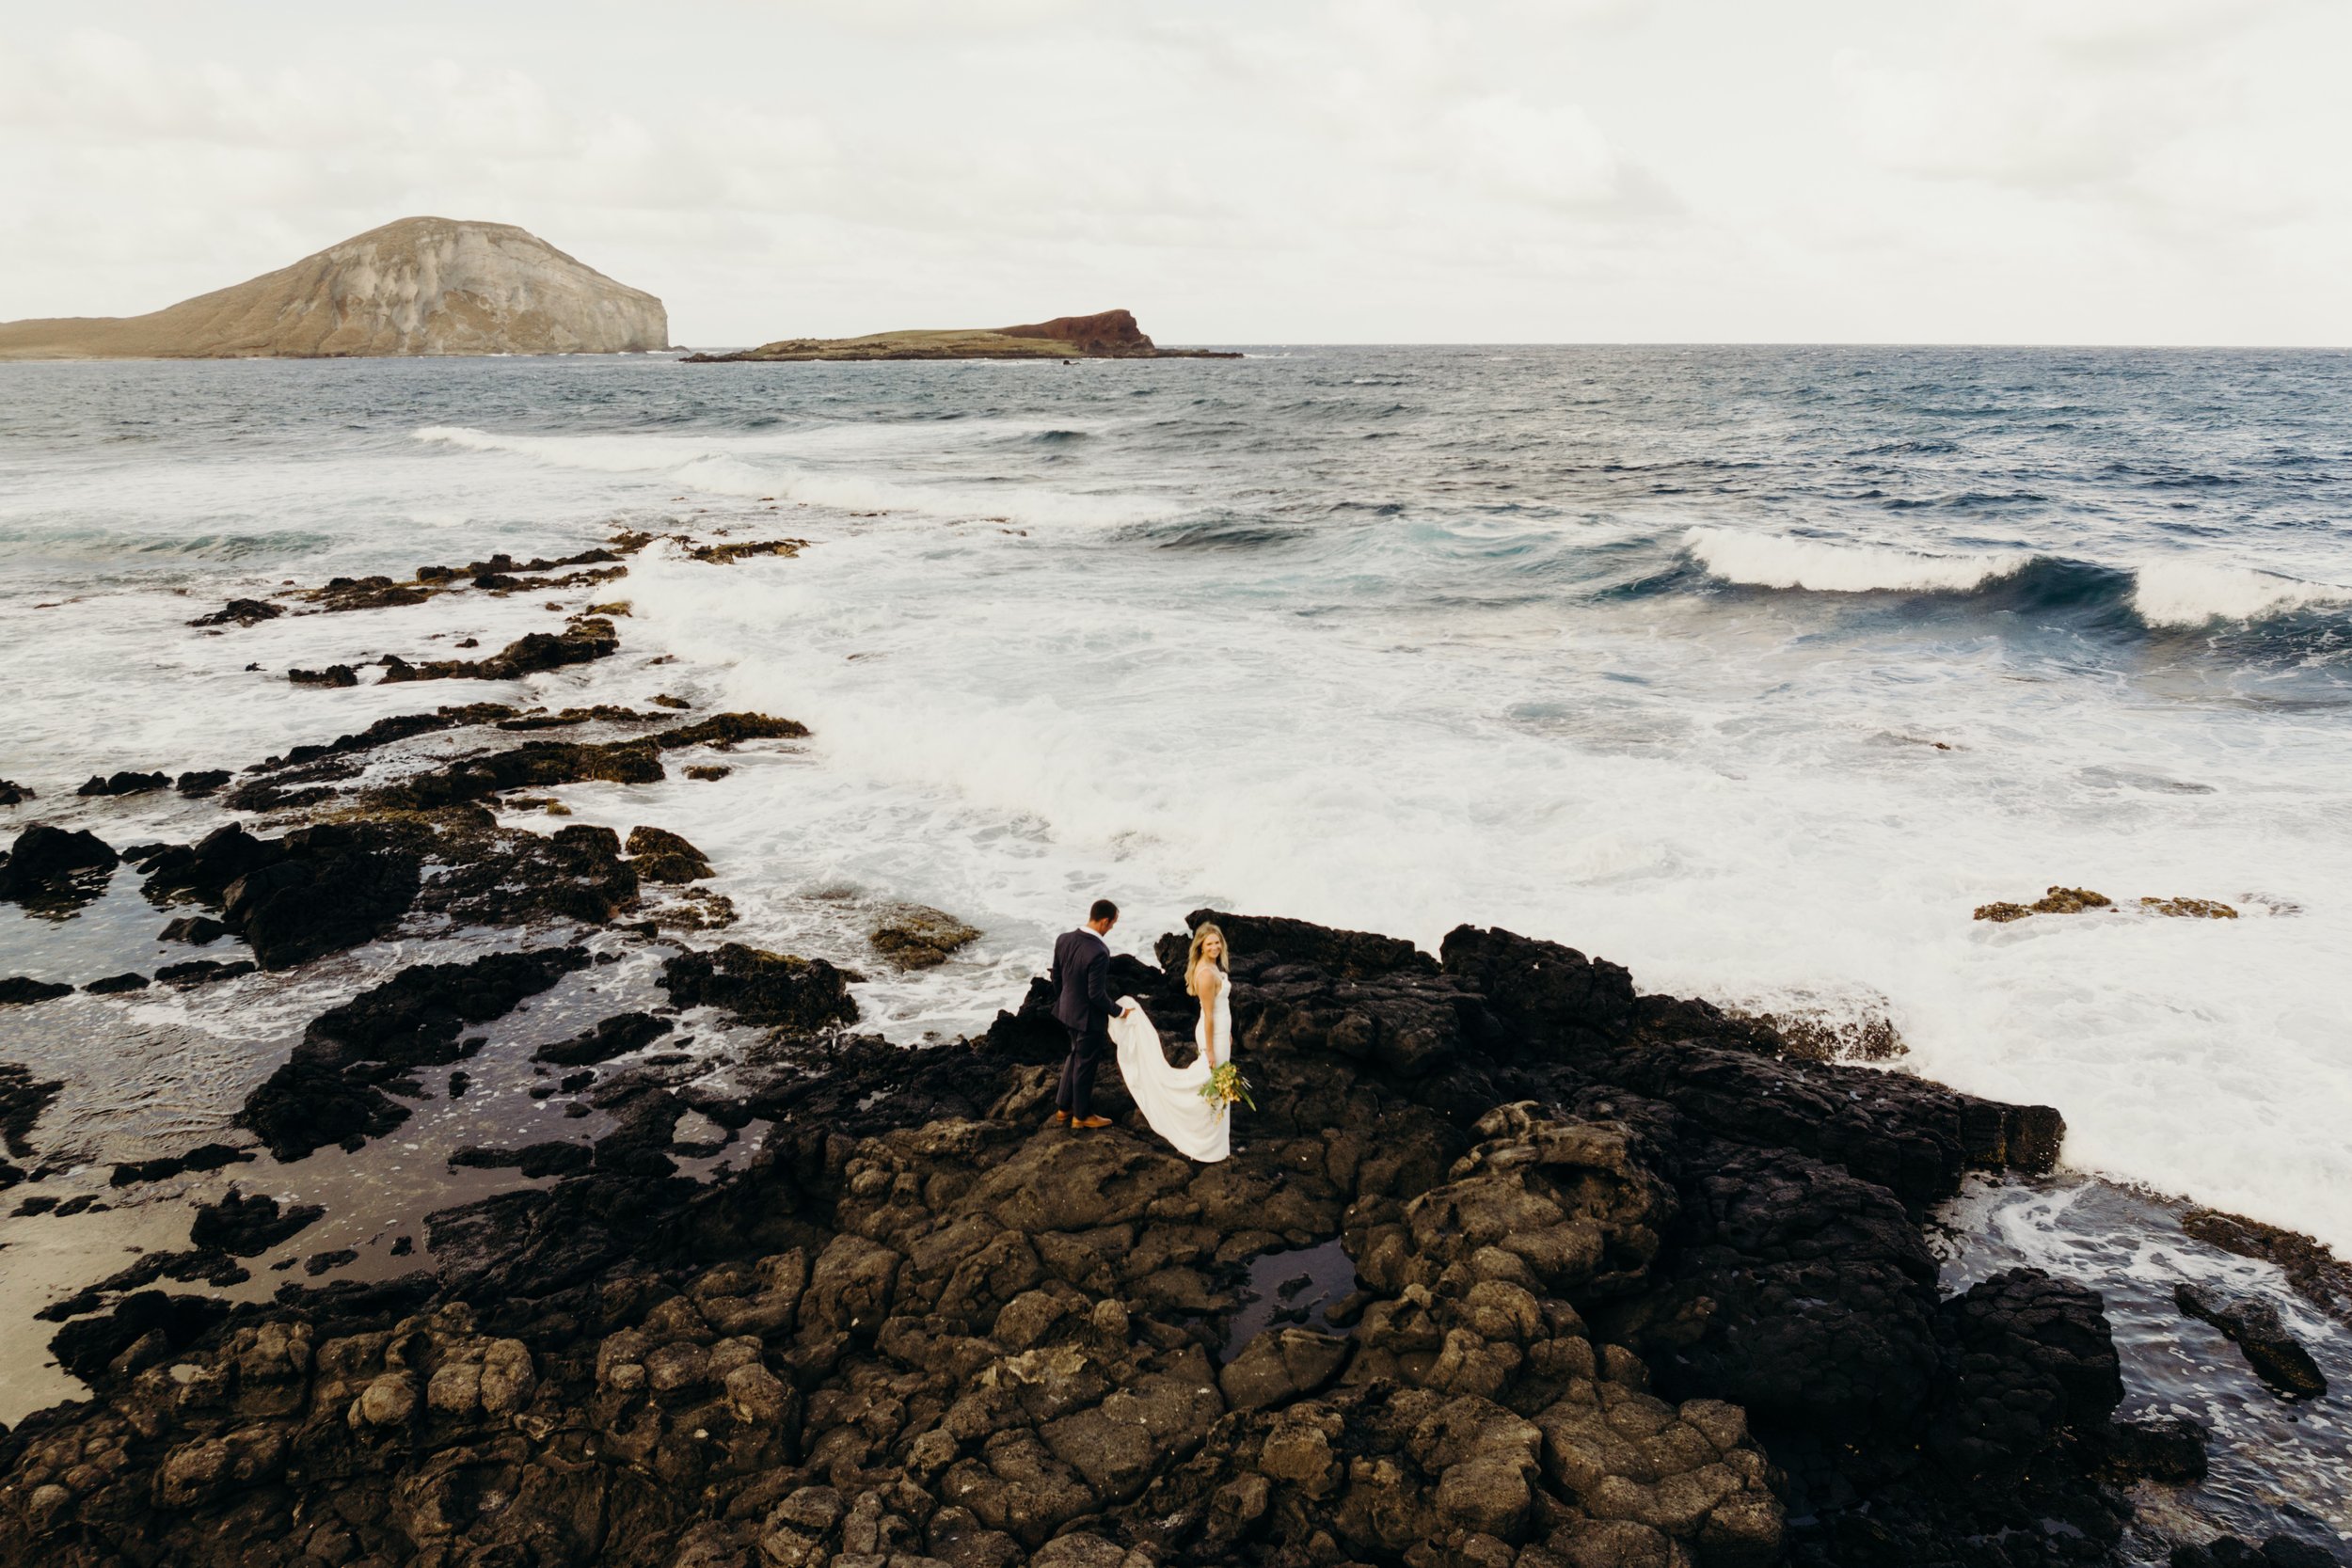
[1289, 1288]
[2274, 1461]
[153, 1073]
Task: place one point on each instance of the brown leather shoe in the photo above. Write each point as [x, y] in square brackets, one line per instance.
[1060, 1118]
[1087, 1124]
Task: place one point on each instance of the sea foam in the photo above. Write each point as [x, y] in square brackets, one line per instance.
[1777, 560]
[2193, 592]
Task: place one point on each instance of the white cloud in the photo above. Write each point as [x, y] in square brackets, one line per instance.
[2140, 103]
[2096, 169]
[1552, 153]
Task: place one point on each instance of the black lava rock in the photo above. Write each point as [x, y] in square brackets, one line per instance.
[246, 1227]
[114, 983]
[51, 862]
[412, 1019]
[241, 613]
[613, 1037]
[125, 782]
[2252, 1325]
[762, 987]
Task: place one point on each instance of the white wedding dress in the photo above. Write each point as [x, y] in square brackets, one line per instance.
[1170, 1097]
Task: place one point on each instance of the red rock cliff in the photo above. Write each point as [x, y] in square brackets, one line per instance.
[1108, 332]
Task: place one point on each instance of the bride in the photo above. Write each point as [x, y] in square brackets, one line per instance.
[1170, 1097]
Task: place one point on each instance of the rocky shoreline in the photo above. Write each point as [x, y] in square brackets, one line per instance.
[1549, 1271]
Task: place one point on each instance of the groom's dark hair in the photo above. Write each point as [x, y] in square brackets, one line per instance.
[1104, 909]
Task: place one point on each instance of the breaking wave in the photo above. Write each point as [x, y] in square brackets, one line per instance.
[2183, 593]
[1777, 560]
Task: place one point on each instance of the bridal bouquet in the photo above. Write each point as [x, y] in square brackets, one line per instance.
[1225, 1085]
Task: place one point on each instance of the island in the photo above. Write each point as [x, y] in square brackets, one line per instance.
[420, 286]
[1106, 335]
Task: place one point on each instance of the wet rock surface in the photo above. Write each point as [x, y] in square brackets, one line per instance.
[2253, 1326]
[50, 869]
[662, 856]
[317, 889]
[384, 732]
[535, 764]
[22, 1098]
[733, 551]
[762, 987]
[127, 782]
[1608, 1311]
[241, 613]
[18, 990]
[202, 1157]
[246, 1227]
[613, 1037]
[2058, 900]
[329, 1091]
[914, 936]
[585, 638]
[2315, 1273]
[112, 985]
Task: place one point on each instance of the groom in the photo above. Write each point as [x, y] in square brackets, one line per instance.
[1082, 1001]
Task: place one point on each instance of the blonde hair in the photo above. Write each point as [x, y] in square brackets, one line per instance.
[1192, 959]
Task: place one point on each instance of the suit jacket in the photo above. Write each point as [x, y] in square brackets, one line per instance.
[1082, 980]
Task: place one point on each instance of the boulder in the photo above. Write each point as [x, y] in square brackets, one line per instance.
[241, 613]
[2252, 1325]
[613, 1037]
[662, 856]
[914, 936]
[1558, 1000]
[762, 987]
[1278, 1367]
[125, 782]
[317, 889]
[47, 862]
[246, 1227]
[1263, 939]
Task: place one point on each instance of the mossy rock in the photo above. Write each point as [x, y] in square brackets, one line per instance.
[916, 936]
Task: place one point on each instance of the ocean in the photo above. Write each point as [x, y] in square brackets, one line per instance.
[1755, 670]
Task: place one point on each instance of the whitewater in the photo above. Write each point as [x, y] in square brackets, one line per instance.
[1757, 671]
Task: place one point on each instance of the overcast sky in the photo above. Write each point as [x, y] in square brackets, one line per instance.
[1359, 170]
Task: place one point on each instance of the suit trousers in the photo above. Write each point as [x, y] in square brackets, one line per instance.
[1088, 1047]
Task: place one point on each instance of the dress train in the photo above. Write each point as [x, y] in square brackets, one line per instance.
[1170, 1097]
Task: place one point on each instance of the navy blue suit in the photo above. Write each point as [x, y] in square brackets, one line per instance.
[1082, 1003]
